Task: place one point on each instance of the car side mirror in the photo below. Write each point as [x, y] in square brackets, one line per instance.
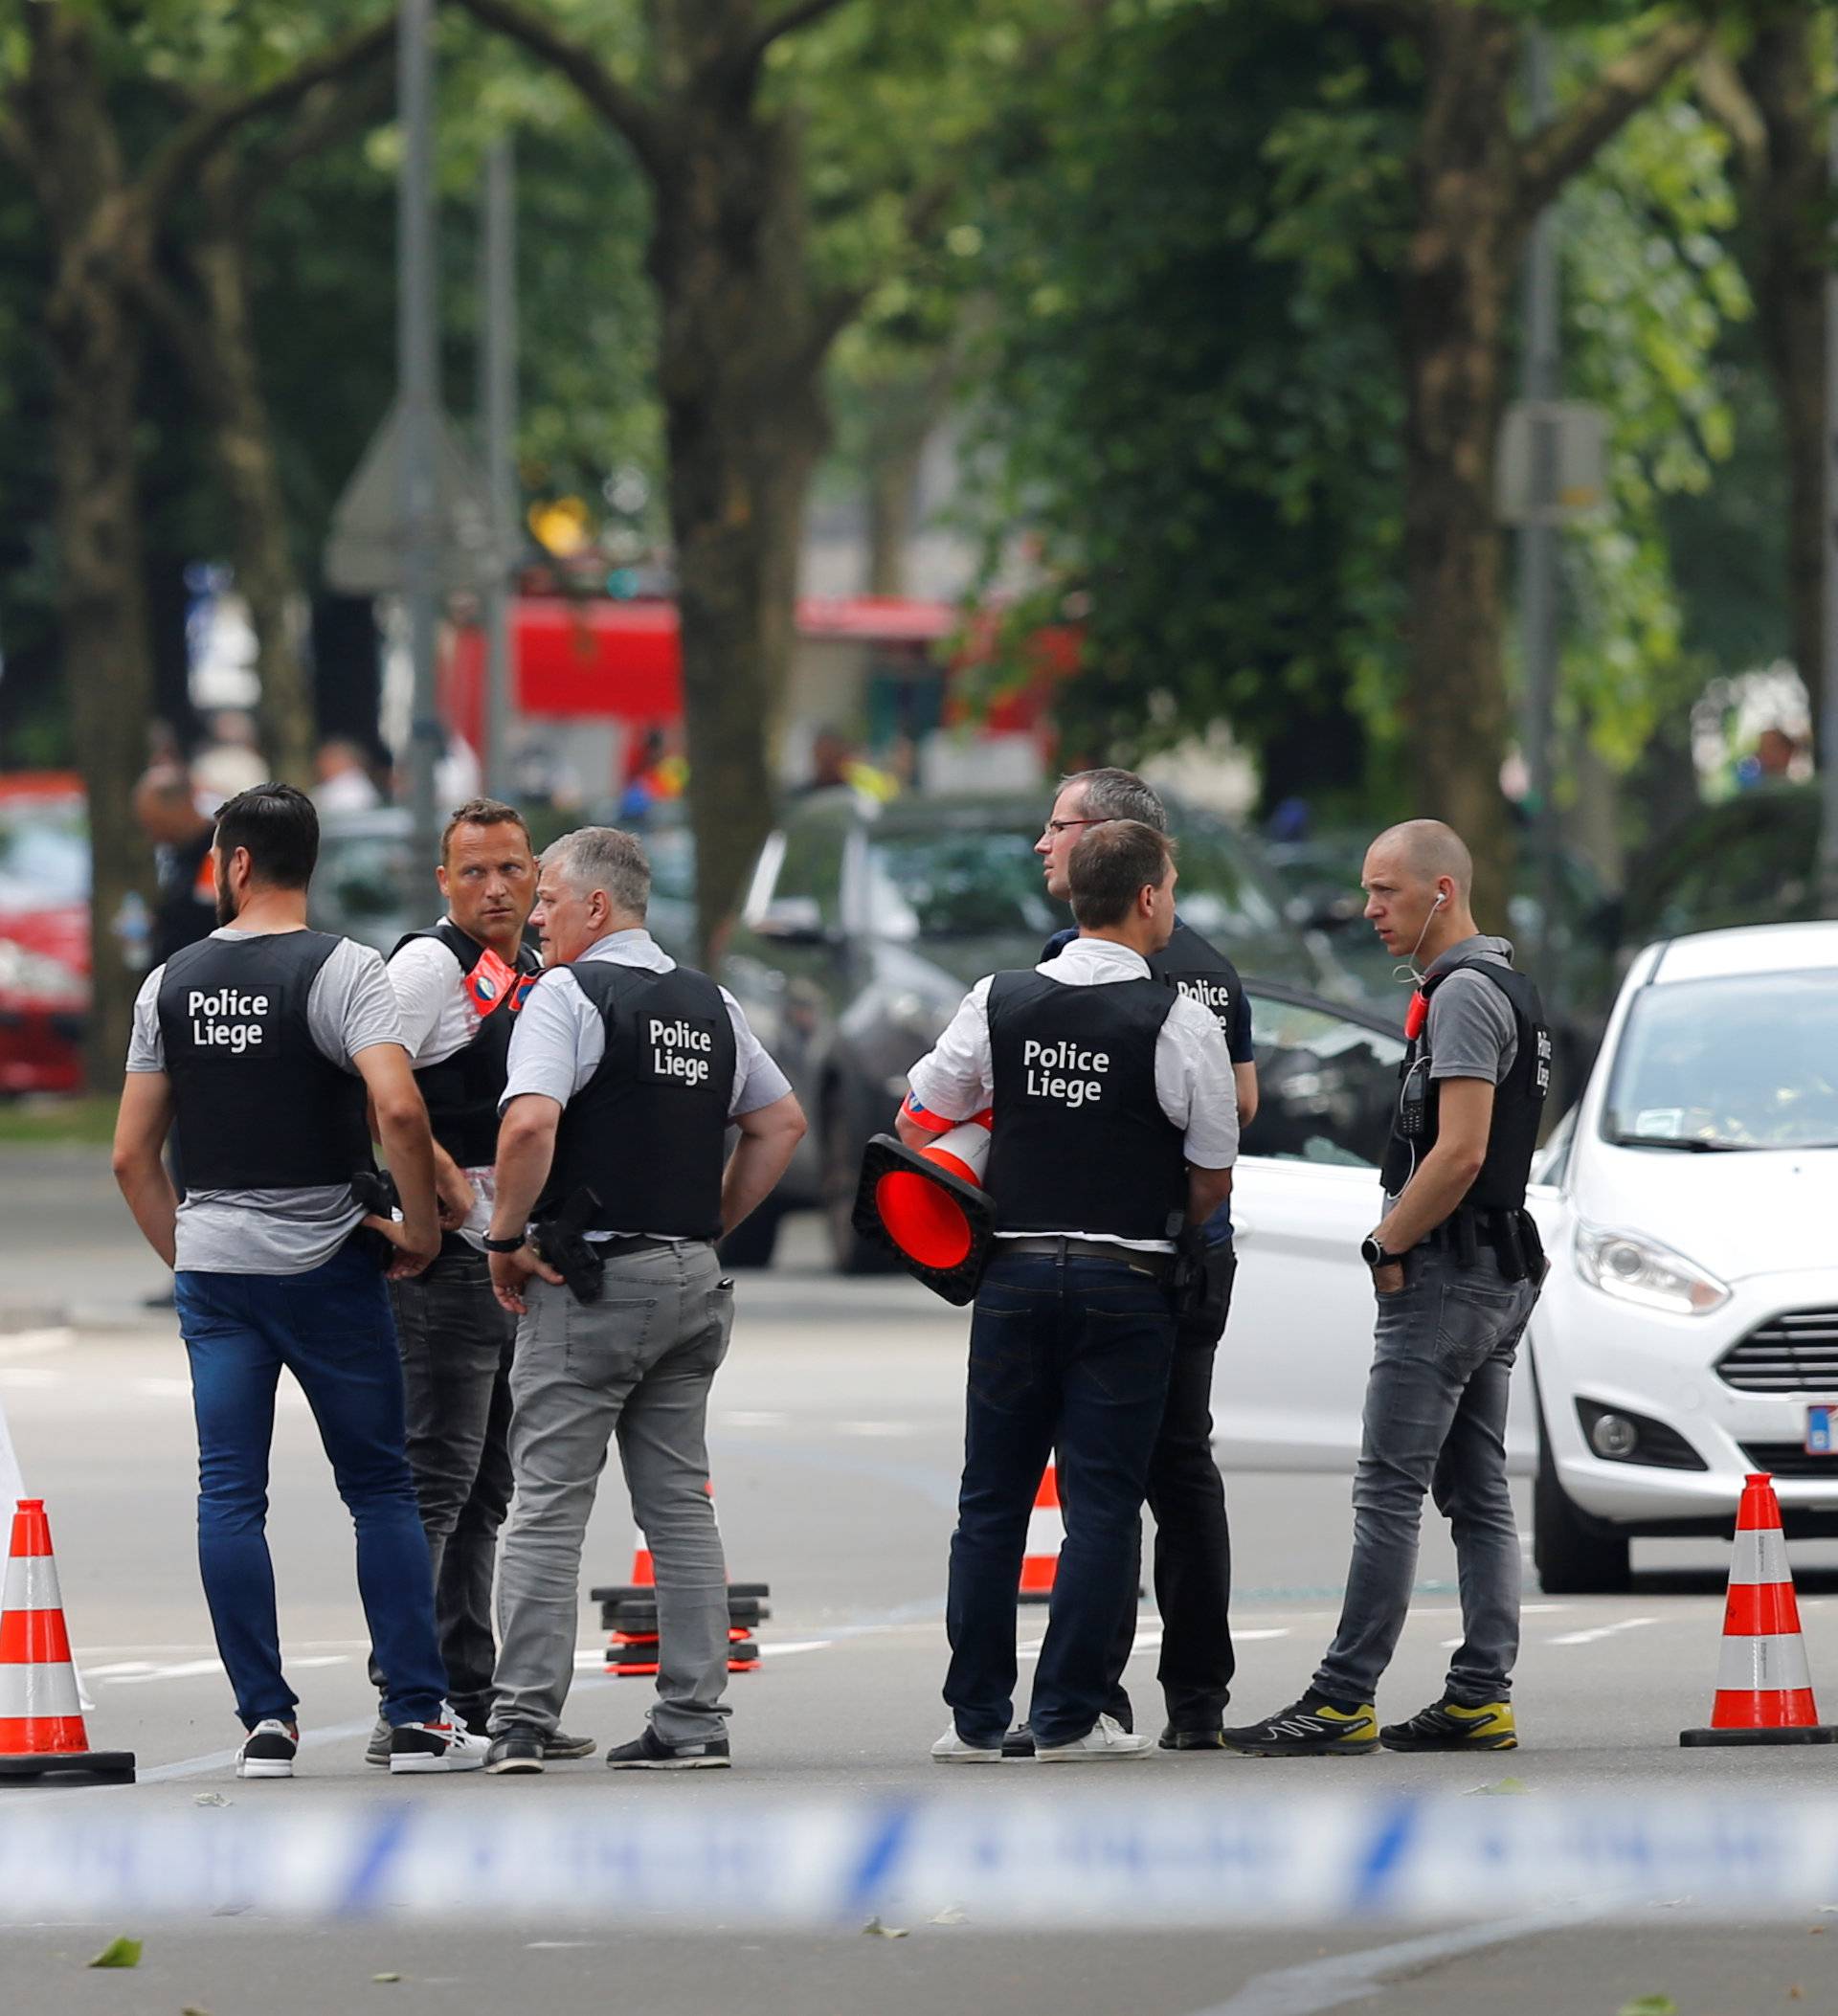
[794, 920]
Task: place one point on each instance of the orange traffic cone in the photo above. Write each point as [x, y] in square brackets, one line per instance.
[644, 1573]
[42, 1721]
[1764, 1684]
[1045, 1533]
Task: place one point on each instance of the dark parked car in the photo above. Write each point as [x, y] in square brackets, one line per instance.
[864, 925]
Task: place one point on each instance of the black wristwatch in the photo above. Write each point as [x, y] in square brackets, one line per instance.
[1375, 1255]
[507, 1246]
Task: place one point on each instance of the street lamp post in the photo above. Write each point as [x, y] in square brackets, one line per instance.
[498, 402]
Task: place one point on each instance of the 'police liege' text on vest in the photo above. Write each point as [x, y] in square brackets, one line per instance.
[462, 1091]
[648, 1131]
[1080, 1142]
[258, 1105]
[1518, 1100]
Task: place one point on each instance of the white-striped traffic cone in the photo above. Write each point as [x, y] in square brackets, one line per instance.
[41, 1718]
[1046, 1534]
[1764, 1683]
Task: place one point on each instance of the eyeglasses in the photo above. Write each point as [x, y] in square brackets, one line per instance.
[1058, 826]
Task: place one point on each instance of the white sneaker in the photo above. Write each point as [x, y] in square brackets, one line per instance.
[444, 1744]
[1105, 1739]
[268, 1750]
[951, 1749]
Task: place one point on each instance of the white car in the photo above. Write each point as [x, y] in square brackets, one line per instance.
[1688, 1332]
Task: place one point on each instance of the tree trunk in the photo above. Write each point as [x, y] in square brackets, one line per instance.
[1457, 282]
[1788, 200]
[741, 362]
[226, 383]
[94, 343]
[893, 510]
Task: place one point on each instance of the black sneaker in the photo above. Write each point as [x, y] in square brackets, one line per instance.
[444, 1744]
[518, 1748]
[1311, 1727]
[1019, 1741]
[561, 1748]
[268, 1750]
[1172, 1738]
[651, 1753]
[1455, 1725]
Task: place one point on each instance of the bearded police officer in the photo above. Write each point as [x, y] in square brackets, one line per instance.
[626, 1071]
[1193, 1540]
[1115, 1125]
[459, 984]
[262, 1041]
[1456, 1266]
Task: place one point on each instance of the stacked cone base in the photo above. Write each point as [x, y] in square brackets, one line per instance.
[105, 1767]
[1745, 1739]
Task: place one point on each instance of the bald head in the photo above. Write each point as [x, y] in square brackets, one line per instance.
[1419, 880]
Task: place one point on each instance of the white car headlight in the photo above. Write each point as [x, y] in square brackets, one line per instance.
[1633, 1268]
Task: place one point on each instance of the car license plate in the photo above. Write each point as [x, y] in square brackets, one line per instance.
[1822, 1431]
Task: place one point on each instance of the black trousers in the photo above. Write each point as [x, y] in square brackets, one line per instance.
[1193, 1542]
[456, 1340]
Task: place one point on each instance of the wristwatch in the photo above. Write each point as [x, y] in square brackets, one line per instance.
[506, 1245]
[1370, 1252]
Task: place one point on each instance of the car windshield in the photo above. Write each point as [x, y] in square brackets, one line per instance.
[44, 854]
[1747, 1061]
[957, 884]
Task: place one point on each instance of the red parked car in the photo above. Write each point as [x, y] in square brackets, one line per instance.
[44, 932]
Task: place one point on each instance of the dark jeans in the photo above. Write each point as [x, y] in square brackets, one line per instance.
[330, 1327]
[1435, 1421]
[1193, 1541]
[1074, 1353]
[457, 1342]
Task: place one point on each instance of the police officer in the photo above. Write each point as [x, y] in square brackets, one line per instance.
[626, 1071]
[1456, 1266]
[459, 984]
[262, 1041]
[1114, 1126]
[1193, 1540]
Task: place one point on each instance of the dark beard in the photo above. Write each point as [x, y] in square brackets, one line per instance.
[226, 905]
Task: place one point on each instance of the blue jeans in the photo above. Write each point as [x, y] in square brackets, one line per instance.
[1072, 1352]
[330, 1327]
[1435, 1421]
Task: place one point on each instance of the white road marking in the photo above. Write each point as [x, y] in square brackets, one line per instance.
[1357, 1976]
[877, 1427]
[30, 1343]
[797, 1644]
[186, 1669]
[1626, 1623]
[753, 1417]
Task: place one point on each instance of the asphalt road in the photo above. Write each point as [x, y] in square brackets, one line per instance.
[834, 1437]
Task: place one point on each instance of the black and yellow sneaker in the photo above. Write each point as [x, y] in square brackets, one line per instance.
[1455, 1725]
[1311, 1727]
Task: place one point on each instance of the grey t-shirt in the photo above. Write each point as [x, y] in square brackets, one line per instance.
[351, 1006]
[1471, 1031]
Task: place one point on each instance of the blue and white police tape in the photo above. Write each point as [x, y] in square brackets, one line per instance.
[1088, 1860]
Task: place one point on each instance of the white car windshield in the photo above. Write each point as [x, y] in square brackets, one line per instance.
[1746, 1062]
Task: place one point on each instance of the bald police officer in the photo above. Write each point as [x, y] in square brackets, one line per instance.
[1456, 1266]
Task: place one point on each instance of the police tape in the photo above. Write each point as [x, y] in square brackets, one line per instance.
[1089, 1860]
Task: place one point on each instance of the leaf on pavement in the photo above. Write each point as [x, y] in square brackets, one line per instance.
[119, 1953]
[209, 1799]
[951, 1914]
[386, 1977]
[1649, 2006]
[875, 1930]
[189, 2010]
[1500, 1789]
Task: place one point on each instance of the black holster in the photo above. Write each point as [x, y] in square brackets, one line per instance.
[374, 1189]
[562, 1242]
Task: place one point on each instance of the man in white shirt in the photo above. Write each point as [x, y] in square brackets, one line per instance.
[1115, 1125]
[626, 1073]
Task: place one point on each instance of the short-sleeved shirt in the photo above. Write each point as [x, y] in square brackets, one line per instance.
[351, 1008]
[560, 1038]
[1193, 1075]
[1470, 1032]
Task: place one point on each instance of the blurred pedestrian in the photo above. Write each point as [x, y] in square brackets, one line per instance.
[166, 802]
[1115, 1125]
[261, 1043]
[1456, 1266]
[626, 1072]
[345, 781]
[459, 984]
[1193, 1572]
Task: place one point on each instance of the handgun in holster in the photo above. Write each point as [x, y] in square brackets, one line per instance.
[375, 1190]
[562, 1242]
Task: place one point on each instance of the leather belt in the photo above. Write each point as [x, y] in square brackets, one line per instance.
[1158, 1267]
[632, 1244]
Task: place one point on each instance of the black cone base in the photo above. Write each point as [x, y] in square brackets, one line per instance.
[885, 1156]
[106, 1767]
[1751, 1739]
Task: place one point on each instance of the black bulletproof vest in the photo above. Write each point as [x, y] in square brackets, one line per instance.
[1079, 1142]
[462, 1091]
[1192, 967]
[1518, 1100]
[648, 1131]
[259, 1106]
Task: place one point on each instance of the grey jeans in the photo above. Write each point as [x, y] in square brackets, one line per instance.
[636, 1365]
[1435, 1421]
